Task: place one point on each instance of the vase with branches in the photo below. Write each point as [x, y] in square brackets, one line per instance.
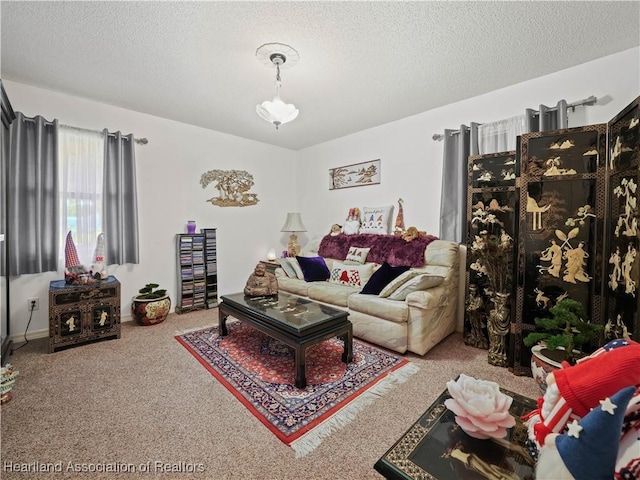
[492, 253]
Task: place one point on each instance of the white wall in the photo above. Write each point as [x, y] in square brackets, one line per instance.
[169, 194]
[411, 162]
[169, 168]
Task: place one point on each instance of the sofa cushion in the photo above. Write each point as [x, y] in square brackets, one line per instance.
[292, 285]
[379, 307]
[314, 269]
[397, 282]
[331, 293]
[287, 267]
[420, 282]
[382, 277]
[357, 255]
[354, 275]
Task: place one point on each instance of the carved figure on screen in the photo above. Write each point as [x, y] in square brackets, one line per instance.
[261, 282]
[616, 275]
[485, 176]
[537, 211]
[553, 254]
[552, 168]
[475, 309]
[541, 299]
[476, 464]
[103, 318]
[627, 265]
[508, 174]
[617, 330]
[627, 224]
[576, 261]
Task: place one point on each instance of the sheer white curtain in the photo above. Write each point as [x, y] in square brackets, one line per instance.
[500, 136]
[81, 155]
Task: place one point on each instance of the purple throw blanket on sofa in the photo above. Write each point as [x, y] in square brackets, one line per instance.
[384, 248]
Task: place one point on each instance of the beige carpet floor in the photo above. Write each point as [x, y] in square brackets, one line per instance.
[144, 400]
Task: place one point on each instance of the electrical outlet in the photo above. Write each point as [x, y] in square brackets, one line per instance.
[33, 303]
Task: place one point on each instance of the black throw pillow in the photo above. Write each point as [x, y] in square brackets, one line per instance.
[382, 277]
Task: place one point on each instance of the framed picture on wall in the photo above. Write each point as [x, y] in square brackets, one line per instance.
[355, 175]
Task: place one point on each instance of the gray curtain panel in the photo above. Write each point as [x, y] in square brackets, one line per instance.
[120, 223]
[458, 145]
[33, 196]
[546, 119]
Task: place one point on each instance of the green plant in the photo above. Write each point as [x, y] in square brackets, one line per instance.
[151, 291]
[567, 328]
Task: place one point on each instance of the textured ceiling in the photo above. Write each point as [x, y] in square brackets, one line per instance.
[361, 64]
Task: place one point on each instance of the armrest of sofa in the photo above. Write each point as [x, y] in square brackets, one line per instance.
[431, 298]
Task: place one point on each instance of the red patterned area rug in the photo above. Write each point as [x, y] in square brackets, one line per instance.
[260, 372]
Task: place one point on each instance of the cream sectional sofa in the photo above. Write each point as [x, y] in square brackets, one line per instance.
[416, 324]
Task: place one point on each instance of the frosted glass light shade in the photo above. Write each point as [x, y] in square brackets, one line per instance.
[277, 112]
[271, 254]
[293, 223]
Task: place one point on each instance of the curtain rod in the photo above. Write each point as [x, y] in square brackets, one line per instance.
[587, 102]
[141, 141]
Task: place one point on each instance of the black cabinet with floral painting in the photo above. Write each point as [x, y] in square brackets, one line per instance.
[492, 209]
[622, 281]
[561, 230]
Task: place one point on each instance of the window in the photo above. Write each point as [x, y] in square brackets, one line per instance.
[81, 154]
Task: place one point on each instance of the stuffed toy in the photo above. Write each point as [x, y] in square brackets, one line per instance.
[74, 271]
[335, 230]
[574, 390]
[352, 223]
[99, 265]
[590, 448]
[412, 233]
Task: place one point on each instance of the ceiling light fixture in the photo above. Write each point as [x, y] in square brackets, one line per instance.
[282, 56]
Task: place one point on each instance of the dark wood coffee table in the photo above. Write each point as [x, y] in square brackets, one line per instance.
[426, 450]
[295, 321]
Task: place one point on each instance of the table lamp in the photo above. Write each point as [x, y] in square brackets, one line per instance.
[293, 224]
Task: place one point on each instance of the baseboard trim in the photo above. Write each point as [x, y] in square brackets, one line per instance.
[44, 333]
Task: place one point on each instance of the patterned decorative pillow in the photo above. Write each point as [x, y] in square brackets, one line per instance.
[354, 275]
[397, 282]
[376, 220]
[357, 255]
[296, 267]
[421, 282]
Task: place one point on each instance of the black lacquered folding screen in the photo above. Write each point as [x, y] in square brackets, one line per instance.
[561, 228]
[622, 281]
